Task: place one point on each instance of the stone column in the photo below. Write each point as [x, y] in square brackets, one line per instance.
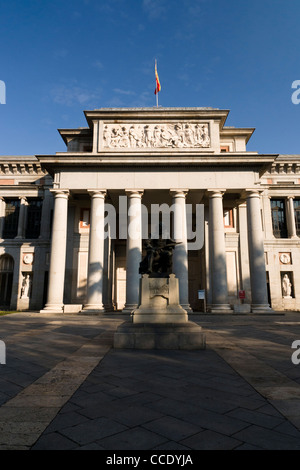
[2, 216]
[58, 252]
[218, 253]
[291, 223]
[22, 218]
[180, 254]
[133, 249]
[256, 254]
[94, 303]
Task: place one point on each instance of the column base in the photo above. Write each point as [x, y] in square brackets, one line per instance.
[187, 308]
[261, 308]
[53, 308]
[242, 308]
[128, 309]
[92, 309]
[220, 308]
[109, 307]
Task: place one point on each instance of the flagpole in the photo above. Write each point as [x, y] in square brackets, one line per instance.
[157, 91]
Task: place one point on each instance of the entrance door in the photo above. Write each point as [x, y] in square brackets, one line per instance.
[6, 280]
[195, 281]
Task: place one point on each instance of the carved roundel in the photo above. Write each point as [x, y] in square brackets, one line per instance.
[28, 258]
[285, 258]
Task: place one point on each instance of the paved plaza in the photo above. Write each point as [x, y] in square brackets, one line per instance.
[64, 387]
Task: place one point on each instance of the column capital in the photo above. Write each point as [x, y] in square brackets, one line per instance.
[291, 196]
[241, 203]
[134, 192]
[255, 192]
[178, 192]
[215, 192]
[97, 193]
[60, 193]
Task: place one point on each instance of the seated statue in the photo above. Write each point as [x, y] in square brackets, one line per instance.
[158, 258]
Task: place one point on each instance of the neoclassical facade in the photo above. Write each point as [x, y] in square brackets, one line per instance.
[74, 226]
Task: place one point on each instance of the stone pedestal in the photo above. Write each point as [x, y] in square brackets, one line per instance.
[159, 301]
[159, 322]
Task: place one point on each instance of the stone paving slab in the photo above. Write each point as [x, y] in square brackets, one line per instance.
[65, 387]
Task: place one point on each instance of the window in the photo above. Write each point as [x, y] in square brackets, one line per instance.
[228, 218]
[224, 148]
[12, 209]
[297, 215]
[85, 218]
[34, 214]
[278, 218]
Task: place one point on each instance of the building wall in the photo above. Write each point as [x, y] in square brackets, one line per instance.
[32, 256]
[25, 178]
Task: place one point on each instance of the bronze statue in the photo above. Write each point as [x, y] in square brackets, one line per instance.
[158, 258]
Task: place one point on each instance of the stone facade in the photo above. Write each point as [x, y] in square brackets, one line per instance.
[242, 208]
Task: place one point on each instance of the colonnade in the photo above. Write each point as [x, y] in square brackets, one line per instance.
[217, 251]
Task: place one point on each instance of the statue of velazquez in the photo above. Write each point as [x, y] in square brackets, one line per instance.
[158, 259]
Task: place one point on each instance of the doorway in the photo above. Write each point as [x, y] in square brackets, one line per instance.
[6, 280]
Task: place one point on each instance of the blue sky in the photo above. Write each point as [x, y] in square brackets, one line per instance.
[61, 57]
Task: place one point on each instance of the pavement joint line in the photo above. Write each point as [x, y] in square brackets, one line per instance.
[25, 417]
[282, 392]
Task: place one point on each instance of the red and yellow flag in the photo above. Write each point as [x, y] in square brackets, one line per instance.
[158, 86]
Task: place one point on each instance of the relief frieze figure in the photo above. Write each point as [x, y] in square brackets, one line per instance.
[165, 135]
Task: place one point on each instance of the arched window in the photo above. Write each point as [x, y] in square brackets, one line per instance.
[6, 279]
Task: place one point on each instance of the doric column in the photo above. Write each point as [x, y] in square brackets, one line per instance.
[96, 254]
[291, 223]
[2, 215]
[58, 252]
[218, 253]
[257, 265]
[22, 218]
[133, 249]
[180, 255]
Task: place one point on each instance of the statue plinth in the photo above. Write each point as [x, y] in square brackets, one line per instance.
[159, 322]
[159, 301]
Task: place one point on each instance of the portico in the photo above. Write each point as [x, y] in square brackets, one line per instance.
[146, 160]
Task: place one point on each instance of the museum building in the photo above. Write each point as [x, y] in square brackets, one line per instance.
[73, 225]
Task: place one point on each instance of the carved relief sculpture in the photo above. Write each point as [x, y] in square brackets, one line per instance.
[179, 135]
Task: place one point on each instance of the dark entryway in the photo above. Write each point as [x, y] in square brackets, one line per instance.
[6, 280]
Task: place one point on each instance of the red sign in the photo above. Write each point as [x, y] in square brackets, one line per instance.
[242, 294]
